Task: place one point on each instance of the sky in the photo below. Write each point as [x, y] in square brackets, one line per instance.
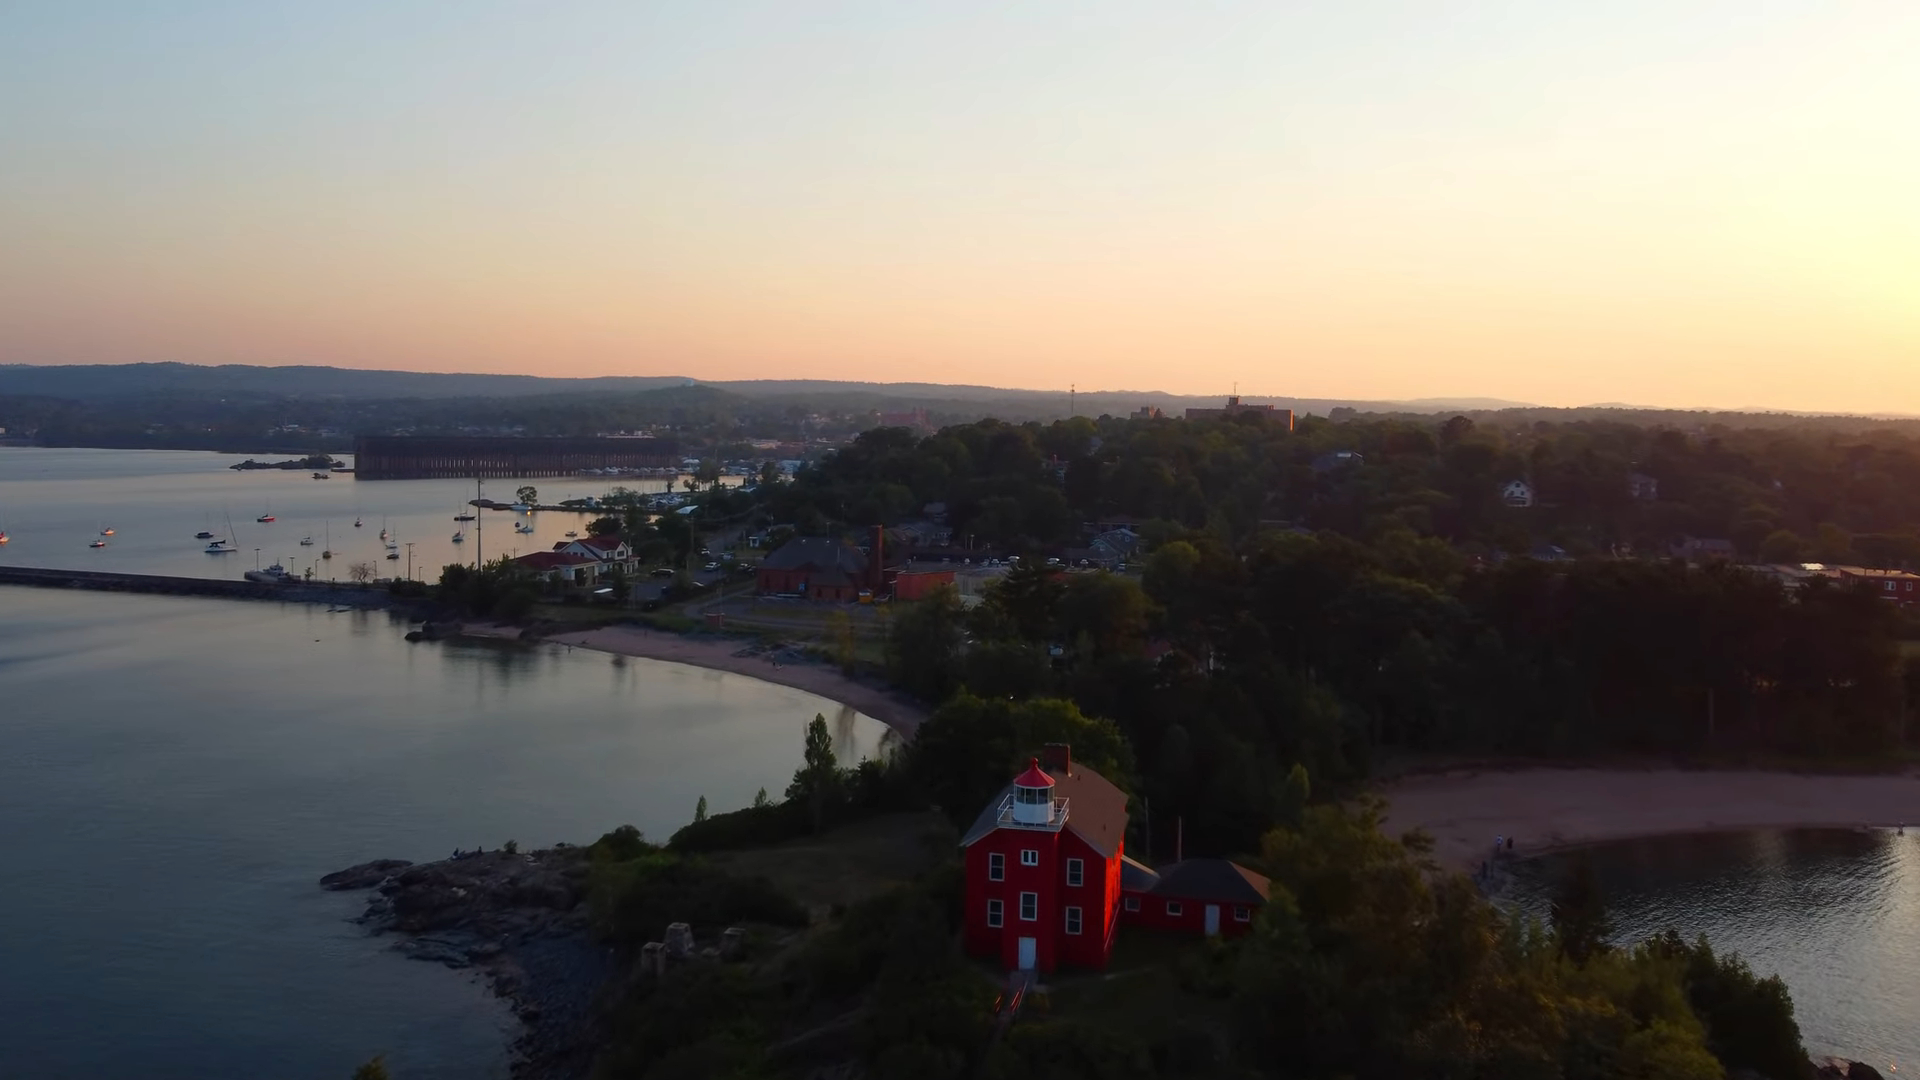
[1664, 203]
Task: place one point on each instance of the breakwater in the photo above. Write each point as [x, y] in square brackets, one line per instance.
[316, 592]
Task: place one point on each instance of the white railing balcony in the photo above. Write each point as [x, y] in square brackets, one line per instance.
[1056, 816]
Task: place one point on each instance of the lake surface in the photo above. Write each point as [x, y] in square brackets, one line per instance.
[54, 502]
[1836, 914]
[176, 774]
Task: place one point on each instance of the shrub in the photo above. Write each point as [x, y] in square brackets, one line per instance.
[755, 826]
[634, 901]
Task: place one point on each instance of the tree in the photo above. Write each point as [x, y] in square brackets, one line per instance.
[527, 493]
[1581, 923]
[924, 643]
[700, 809]
[360, 573]
[818, 784]
[759, 798]
[375, 1069]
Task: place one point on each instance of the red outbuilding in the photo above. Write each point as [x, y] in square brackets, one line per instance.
[1048, 881]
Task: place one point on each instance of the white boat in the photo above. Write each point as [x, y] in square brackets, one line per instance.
[306, 541]
[460, 536]
[356, 523]
[383, 530]
[3, 536]
[523, 528]
[393, 545]
[571, 534]
[98, 543]
[108, 531]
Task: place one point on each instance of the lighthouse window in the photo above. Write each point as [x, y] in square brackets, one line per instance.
[996, 867]
[1029, 857]
[1073, 920]
[1029, 906]
[996, 912]
[1075, 871]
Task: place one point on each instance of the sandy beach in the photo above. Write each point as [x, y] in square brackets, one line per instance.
[891, 709]
[1544, 809]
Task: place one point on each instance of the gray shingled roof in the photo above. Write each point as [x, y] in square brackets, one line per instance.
[1096, 810]
[817, 553]
[1137, 876]
[1220, 880]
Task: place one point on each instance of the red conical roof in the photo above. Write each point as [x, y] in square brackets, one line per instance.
[1034, 776]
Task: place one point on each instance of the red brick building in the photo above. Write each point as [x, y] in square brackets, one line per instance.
[816, 568]
[1048, 882]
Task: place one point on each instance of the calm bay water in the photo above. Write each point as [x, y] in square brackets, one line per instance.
[1836, 914]
[176, 774]
[53, 502]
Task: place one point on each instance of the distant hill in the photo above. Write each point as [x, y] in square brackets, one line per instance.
[93, 382]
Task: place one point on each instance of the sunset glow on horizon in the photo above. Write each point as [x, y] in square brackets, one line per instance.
[1671, 204]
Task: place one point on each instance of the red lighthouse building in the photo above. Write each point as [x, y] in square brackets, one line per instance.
[1049, 881]
[1043, 867]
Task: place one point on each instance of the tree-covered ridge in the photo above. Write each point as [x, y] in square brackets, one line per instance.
[1836, 491]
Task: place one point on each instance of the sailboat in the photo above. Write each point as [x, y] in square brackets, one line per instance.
[356, 523]
[98, 543]
[383, 528]
[459, 536]
[108, 531]
[327, 552]
[224, 545]
[522, 528]
[266, 517]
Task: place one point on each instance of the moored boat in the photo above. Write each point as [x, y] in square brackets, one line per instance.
[98, 543]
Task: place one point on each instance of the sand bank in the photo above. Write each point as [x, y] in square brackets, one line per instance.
[1544, 809]
[884, 705]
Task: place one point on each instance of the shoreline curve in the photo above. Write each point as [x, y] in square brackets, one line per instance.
[1551, 809]
[898, 712]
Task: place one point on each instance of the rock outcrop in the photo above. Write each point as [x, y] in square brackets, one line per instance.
[516, 918]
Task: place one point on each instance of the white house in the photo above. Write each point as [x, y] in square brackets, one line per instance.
[610, 552]
[1517, 493]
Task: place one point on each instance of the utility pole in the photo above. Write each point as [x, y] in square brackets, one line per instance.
[409, 560]
[479, 552]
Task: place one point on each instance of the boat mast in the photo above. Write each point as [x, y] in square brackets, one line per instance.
[479, 552]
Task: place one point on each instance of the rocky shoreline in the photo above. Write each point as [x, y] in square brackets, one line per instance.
[517, 919]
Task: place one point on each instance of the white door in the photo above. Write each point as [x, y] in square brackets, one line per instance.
[1029, 953]
[1213, 919]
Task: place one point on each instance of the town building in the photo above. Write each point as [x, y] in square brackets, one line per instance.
[814, 567]
[1517, 493]
[1048, 881]
[1643, 487]
[1146, 412]
[1234, 407]
[578, 563]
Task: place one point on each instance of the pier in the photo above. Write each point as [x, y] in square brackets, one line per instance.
[347, 595]
[433, 457]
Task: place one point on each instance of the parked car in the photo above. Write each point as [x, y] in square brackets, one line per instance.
[710, 567]
[662, 571]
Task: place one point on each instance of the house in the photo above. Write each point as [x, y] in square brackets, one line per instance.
[1197, 896]
[1048, 880]
[1896, 586]
[1643, 487]
[1338, 459]
[611, 552]
[1146, 412]
[1517, 493]
[814, 567]
[557, 569]
[1697, 549]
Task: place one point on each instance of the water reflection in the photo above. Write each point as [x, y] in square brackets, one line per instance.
[175, 774]
[1835, 913]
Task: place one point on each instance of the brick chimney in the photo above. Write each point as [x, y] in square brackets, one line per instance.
[1057, 757]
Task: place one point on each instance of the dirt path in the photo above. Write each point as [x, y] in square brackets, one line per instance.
[882, 704]
[1544, 809]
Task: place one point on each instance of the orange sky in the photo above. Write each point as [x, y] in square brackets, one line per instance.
[1660, 203]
